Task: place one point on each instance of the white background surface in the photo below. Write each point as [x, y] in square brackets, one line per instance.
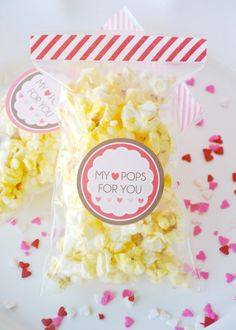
[215, 19]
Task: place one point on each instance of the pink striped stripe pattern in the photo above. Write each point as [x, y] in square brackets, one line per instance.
[118, 47]
[187, 110]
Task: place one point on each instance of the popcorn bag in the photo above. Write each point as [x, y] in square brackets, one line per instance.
[28, 140]
[116, 211]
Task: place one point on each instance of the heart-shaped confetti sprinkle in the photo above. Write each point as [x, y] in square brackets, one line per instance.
[12, 221]
[187, 203]
[216, 139]
[24, 246]
[51, 327]
[179, 328]
[197, 230]
[36, 221]
[230, 277]
[107, 297]
[200, 207]
[190, 82]
[223, 240]
[207, 154]
[131, 298]
[233, 247]
[219, 151]
[23, 265]
[204, 275]
[62, 312]
[234, 177]
[128, 322]
[210, 89]
[57, 320]
[210, 178]
[224, 204]
[224, 249]
[201, 256]
[213, 185]
[127, 293]
[187, 158]
[101, 316]
[200, 123]
[35, 243]
[187, 313]
[214, 147]
[46, 322]
[208, 321]
[25, 273]
[209, 312]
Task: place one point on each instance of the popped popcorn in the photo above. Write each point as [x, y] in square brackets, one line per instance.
[99, 107]
[27, 162]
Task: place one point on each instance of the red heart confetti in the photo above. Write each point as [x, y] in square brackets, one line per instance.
[210, 178]
[234, 177]
[46, 322]
[101, 316]
[25, 273]
[51, 327]
[23, 265]
[216, 139]
[219, 151]
[207, 154]
[131, 298]
[208, 321]
[224, 249]
[35, 243]
[62, 312]
[187, 158]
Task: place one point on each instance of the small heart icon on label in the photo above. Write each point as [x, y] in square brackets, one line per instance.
[98, 199]
[115, 176]
[119, 199]
[21, 95]
[42, 121]
[31, 108]
[47, 92]
[140, 200]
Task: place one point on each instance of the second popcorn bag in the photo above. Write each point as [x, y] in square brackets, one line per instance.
[116, 211]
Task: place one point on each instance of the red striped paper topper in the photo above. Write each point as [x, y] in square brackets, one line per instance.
[118, 47]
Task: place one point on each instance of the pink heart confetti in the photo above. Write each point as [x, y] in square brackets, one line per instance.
[57, 320]
[233, 247]
[127, 293]
[210, 89]
[27, 253]
[223, 240]
[179, 328]
[214, 147]
[200, 207]
[213, 185]
[209, 312]
[44, 234]
[36, 221]
[201, 256]
[107, 297]
[204, 275]
[187, 313]
[230, 277]
[24, 246]
[225, 204]
[197, 230]
[200, 123]
[12, 221]
[128, 321]
[190, 82]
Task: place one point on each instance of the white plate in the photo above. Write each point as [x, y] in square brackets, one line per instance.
[31, 307]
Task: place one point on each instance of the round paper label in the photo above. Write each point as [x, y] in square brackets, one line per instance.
[120, 181]
[31, 102]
